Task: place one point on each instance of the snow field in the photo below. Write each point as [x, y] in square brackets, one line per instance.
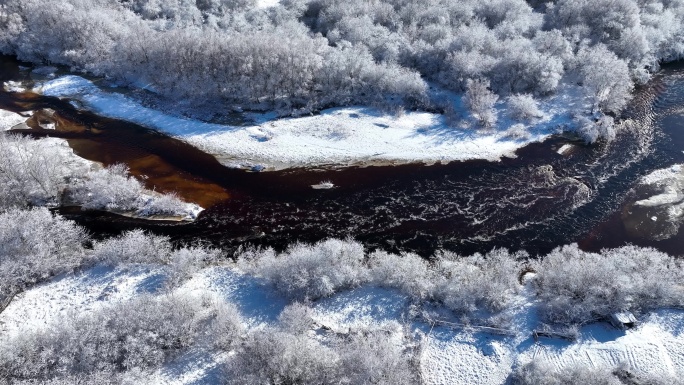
[44, 305]
[448, 356]
[336, 136]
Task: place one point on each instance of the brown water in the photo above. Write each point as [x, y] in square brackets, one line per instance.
[162, 163]
[536, 201]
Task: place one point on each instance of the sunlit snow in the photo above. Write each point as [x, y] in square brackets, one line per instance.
[342, 136]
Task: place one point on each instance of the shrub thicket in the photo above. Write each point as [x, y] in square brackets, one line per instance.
[575, 286]
[138, 335]
[308, 54]
[36, 245]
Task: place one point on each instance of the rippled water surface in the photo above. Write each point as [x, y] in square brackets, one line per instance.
[536, 201]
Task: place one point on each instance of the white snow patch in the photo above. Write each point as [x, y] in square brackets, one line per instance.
[362, 307]
[670, 181]
[463, 358]
[13, 86]
[267, 3]
[454, 356]
[258, 303]
[343, 136]
[9, 119]
[642, 349]
[46, 304]
[565, 149]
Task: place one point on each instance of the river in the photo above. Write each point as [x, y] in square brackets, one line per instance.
[536, 201]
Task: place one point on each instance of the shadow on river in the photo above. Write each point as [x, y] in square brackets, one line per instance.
[536, 201]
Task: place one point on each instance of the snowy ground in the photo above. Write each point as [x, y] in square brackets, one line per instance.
[450, 356]
[267, 3]
[338, 136]
[9, 119]
[13, 86]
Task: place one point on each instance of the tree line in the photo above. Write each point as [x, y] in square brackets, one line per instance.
[118, 343]
[304, 55]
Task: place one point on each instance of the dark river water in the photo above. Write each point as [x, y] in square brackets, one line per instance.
[536, 201]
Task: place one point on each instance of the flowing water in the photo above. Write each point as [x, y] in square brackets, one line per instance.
[536, 201]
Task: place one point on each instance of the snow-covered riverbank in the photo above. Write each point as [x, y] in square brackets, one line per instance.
[450, 355]
[47, 172]
[9, 119]
[335, 137]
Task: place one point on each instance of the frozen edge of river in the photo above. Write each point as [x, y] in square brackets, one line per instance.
[343, 136]
[188, 212]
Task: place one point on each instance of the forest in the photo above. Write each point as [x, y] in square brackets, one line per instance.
[305, 55]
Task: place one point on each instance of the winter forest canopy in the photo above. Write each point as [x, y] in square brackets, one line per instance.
[305, 55]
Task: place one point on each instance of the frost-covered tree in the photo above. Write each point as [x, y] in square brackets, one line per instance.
[593, 130]
[576, 286]
[274, 356]
[31, 172]
[392, 359]
[34, 246]
[521, 68]
[409, 273]
[186, 261]
[297, 318]
[523, 107]
[138, 247]
[227, 328]
[480, 101]
[44, 173]
[114, 189]
[468, 285]
[605, 78]
[309, 272]
[479, 286]
[518, 131]
[11, 26]
[139, 335]
[108, 189]
[302, 56]
[133, 247]
[287, 353]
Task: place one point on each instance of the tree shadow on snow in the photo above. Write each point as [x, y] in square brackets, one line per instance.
[256, 300]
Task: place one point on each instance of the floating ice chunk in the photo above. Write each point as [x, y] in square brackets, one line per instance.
[324, 185]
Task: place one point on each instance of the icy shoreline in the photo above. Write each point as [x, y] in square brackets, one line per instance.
[336, 137]
[83, 169]
[9, 119]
